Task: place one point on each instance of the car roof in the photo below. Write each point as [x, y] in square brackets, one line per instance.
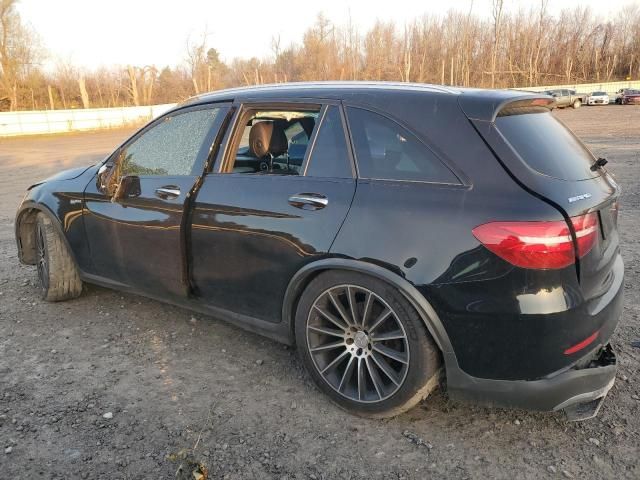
[477, 103]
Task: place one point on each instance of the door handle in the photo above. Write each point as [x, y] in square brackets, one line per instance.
[168, 192]
[308, 201]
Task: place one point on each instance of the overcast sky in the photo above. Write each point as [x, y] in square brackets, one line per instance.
[107, 32]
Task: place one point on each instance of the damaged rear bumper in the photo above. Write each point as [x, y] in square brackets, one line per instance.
[579, 390]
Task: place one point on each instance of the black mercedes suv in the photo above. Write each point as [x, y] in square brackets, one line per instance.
[402, 236]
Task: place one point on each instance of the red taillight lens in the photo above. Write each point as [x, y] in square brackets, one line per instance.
[539, 245]
[586, 227]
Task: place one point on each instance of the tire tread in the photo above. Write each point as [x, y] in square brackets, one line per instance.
[64, 277]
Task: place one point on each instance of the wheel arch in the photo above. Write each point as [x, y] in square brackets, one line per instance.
[427, 313]
[25, 227]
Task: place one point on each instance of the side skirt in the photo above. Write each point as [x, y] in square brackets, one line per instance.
[275, 331]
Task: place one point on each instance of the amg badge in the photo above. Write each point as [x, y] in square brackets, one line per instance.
[584, 196]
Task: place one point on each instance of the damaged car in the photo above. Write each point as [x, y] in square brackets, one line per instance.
[403, 237]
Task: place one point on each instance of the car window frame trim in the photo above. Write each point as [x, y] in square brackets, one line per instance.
[462, 179]
[345, 133]
[202, 156]
[245, 106]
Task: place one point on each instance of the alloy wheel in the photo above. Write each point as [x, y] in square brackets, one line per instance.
[357, 343]
[42, 263]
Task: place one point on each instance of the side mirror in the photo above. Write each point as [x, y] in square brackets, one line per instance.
[103, 177]
[129, 187]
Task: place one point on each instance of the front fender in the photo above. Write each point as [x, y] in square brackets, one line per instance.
[25, 230]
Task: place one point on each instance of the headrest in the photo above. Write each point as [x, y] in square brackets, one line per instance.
[267, 137]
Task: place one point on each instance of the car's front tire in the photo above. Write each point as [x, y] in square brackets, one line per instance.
[58, 274]
[577, 104]
[364, 345]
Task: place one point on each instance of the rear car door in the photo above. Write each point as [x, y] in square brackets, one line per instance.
[135, 210]
[274, 202]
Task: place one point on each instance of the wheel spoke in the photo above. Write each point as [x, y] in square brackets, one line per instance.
[347, 373]
[375, 378]
[362, 384]
[327, 346]
[386, 369]
[381, 318]
[393, 335]
[327, 331]
[340, 308]
[367, 308]
[331, 318]
[335, 361]
[352, 305]
[391, 353]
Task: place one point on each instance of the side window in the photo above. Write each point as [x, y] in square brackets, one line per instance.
[273, 142]
[386, 150]
[330, 157]
[170, 147]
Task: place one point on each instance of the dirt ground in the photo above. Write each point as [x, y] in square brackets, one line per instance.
[169, 380]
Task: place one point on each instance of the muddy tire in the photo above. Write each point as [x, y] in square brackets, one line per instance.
[577, 103]
[58, 274]
[364, 345]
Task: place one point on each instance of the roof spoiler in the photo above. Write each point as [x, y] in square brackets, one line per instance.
[503, 102]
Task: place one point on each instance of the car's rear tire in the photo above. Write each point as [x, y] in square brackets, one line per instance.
[577, 103]
[374, 358]
[58, 274]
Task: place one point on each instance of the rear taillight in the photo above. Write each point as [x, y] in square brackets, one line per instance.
[539, 245]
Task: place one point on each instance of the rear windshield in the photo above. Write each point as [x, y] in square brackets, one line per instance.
[546, 145]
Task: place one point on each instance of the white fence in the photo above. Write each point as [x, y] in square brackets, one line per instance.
[58, 121]
[609, 87]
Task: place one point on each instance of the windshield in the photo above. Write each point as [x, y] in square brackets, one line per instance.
[547, 146]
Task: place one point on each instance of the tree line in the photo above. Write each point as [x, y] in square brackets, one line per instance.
[506, 48]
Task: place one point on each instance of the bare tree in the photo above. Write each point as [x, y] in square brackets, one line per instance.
[513, 47]
[83, 91]
[496, 12]
[19, 51]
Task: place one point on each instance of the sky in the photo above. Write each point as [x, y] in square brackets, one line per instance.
[91, 33]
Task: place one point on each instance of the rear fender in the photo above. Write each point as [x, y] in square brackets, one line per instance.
[428, 315]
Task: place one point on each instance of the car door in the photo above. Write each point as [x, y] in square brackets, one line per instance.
[255, 227]
[135, 210]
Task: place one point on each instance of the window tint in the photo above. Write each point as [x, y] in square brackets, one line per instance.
[330, 157]
[386, 150]
[547, 146]
[278, 144]
[170, 147]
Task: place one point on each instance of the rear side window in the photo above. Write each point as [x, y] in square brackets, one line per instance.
[329, 157]
[547, 146]
[386, 150]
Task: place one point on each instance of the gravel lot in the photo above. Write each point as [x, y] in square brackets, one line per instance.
[111, 385]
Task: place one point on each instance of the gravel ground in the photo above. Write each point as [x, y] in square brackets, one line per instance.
[117, 386]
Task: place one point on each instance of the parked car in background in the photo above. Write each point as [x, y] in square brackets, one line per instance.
[598, 98]
[567, 98]
[630, 97]
[402, 236]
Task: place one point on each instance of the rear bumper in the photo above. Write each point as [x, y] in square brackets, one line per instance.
[579, 390]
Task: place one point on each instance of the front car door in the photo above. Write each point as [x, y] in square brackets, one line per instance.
[135, 210]
[275, 201]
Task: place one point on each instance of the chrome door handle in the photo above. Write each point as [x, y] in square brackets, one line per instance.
[308, 201]
[168, 192]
